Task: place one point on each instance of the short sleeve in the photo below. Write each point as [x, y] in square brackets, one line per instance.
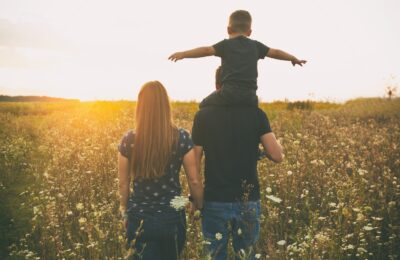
[197, 133]
[264, 126]
[262, 50]
[185, 142]
[125, 147]
[219, 48]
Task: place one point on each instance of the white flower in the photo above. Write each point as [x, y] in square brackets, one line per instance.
[332, 204]
[82, 220]
[35, 210]
[269, 190]
[289, 173]
[79, 206]
[361, 172]
[257, 256]
[274, 199]
[281, 242]
[368, 228]
[218, 236]
[239, 231]
[179, 202]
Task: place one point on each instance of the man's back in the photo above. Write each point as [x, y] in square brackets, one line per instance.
[230, 137]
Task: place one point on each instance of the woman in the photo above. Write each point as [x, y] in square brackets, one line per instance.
[151, 157]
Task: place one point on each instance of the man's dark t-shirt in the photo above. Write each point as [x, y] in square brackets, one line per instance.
[230, 138]
[239, 57]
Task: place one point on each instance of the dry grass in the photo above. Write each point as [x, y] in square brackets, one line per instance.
[339, 183]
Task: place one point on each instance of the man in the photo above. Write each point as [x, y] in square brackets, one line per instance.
[229, 137]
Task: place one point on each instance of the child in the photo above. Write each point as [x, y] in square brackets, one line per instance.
[239, 56]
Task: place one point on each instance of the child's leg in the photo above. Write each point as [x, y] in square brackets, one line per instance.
[214, 99]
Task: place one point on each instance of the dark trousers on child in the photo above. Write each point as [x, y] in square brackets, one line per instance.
[231, 95]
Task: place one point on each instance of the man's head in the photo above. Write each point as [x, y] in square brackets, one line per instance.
[240, 23]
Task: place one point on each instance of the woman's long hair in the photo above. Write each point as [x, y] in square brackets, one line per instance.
[155, 135]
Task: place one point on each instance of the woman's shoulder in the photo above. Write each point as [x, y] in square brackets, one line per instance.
[129, 137]
[183, 133]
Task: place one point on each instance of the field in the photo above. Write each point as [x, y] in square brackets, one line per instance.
[336, 195]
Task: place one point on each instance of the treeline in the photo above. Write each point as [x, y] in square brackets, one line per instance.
[4, 98]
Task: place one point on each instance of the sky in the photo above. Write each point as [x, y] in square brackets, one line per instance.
[108, 49]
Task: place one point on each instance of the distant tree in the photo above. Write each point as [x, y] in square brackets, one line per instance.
[391, 92]
[391, 87]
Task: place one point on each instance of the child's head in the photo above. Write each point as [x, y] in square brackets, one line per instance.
[240, 23]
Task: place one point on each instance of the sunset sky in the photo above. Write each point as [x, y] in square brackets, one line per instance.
[108, 49]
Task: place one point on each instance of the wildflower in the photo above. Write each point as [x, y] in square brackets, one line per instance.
[257, 256]
[322, 238]
[361, 172]
[281, 242]
[82, 221]
[289, 173]
[218, 236]
[361, 250]
[79, 206]
[269, 190]
[239, 231]
[368, 228]
[332, 204]
[35, 210]
[360, 217]
[179, 202]
[69, 213]
[274, 199]
[197, 214]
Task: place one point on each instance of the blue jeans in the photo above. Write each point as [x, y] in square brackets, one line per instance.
[160, 237]
[241, 220]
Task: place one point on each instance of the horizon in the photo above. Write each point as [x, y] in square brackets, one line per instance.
[106, 53]
[190, 101]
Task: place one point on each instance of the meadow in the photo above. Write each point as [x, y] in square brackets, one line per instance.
[335, 196]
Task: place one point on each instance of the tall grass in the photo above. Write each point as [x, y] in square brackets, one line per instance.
[338, 187]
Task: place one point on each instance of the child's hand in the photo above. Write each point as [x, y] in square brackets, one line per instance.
[298, 62]
[176, 56]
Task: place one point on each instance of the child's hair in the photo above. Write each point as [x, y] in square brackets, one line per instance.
[240, 21]
[218, 83]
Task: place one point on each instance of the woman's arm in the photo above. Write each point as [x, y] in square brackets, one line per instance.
[272, 147]
[194, 179]
[124, 182]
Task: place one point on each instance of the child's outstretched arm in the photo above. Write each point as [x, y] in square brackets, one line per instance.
[194, 53]
[281, 55]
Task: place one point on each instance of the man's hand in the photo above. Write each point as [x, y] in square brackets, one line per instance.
[176, 56]
[295, 62]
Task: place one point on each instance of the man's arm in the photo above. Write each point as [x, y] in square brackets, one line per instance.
[194, 53]
[281, 55]
[198, 151]
[273, 149]
[194, 178]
